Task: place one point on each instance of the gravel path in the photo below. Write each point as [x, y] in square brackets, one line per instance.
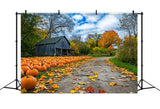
[81, 73]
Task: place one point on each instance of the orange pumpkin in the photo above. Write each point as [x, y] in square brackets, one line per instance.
[53, 64]
[42, 68]
[25, 68]
[60, 65]
[48, 66]
[35, 66]
[33, 72]
[22, 73]
[28, 82]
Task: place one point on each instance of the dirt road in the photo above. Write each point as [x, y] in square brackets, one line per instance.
[105, 77]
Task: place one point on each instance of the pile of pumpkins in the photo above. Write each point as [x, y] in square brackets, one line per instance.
[31, 66]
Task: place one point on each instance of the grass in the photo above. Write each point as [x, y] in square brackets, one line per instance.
[128, 66]
[99, 56]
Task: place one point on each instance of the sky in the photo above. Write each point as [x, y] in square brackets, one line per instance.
[90, 23]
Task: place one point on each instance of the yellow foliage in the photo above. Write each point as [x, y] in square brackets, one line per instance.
[74, 47]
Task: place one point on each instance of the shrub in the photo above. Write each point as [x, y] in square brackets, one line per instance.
[100, 50]
[127, 51]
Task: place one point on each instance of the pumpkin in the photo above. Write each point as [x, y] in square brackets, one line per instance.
[33, 72]
[48, 66]
[53, 64]
[25, 68]
[22, 73]
[61, 65]
[42, 68]
[35, 66]
[28, 82]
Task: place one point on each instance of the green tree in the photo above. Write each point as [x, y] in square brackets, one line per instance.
[127, 52]
[96, 37]
[32, 32]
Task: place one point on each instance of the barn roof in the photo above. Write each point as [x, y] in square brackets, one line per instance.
[51, 40]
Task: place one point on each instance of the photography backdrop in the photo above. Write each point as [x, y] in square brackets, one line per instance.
[79, 34]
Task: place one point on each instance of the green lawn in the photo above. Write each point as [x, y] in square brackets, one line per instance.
[128, 66]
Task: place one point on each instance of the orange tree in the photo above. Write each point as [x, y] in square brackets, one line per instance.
[108, 38]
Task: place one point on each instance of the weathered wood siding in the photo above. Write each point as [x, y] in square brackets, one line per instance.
[48, 49]
[62, 43]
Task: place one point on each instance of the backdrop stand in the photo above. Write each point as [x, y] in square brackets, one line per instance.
[141, 81]
[15, 80]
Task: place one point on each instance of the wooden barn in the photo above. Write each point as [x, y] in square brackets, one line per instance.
[57, 45]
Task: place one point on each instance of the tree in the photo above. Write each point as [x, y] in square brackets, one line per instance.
[75, 38]
[31, 33]
[129, 23]
[91, 43]
[95, 36]
[75, 47]
[84, 48]
[57, 23]
[127, 52]
[108, 39]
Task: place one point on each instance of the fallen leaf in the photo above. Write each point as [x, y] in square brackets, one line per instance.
[112, 77]
[73, 82]
[93, 79]
[133, 79]
[23, 90]
[101, 91]
[55, 86]
[72, 91]
[113, 83]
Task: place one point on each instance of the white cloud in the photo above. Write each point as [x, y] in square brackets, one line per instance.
[77, 17]
[108, 22]
[84, 26]
[84, 37]
[92, 18]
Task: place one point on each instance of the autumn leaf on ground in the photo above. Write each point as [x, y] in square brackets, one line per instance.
[113, 70]
[93, 79]
[84, 83]
[55, 86]
[133, 79]
[23, 90]
[80, 83]
[95, 76]
[95, 73]
[50, 74]
[112, 77]
[50, 81]
[90, 89]
[90, 77]
[113, 83]
[51, 90]
[101, 91]
[76, 88]
[72, 91]
[73, 82]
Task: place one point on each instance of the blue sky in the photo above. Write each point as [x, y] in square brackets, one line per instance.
[90, 23]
